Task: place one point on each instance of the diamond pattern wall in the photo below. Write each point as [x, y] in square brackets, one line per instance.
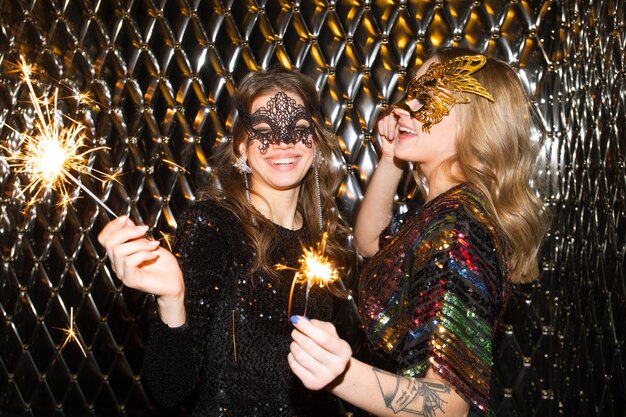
[160, 74]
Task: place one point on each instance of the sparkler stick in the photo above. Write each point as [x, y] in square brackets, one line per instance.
[89, 193]
[315, 269]
[49, 154]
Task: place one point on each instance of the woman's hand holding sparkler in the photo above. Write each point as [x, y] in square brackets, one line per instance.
[144, 265]
[317, 355]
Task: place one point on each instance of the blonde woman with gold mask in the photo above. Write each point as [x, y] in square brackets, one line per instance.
[439, 276]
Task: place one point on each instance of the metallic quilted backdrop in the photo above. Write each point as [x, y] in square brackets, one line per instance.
[161, 73]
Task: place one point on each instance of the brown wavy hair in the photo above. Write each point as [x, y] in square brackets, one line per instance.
[497, 156]
[231, 192]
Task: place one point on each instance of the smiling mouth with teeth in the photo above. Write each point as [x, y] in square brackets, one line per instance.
[283, 161]
[406, 130]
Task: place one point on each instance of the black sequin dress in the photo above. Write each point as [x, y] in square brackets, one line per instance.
[237, 335]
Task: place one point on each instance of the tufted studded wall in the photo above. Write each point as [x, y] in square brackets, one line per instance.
[161, 73]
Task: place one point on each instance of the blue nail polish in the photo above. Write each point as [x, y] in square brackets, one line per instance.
[294, 319]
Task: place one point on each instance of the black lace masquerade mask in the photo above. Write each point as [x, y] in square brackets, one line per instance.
[281, 114]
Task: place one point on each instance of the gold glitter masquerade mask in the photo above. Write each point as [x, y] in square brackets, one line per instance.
[281, 115]
[441, 87]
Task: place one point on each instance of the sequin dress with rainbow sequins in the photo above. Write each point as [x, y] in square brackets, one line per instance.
[432, 295]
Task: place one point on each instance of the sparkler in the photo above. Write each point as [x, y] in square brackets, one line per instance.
[167, 238]
[49, 154]
[315, 269]
[71, 335]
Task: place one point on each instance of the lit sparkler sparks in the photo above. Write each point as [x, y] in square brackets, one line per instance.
[48, 155]
[70, 335]
[175, 165]
[315, 269]
[167, 238]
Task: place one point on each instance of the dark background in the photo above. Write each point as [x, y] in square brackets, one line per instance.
[162, 71]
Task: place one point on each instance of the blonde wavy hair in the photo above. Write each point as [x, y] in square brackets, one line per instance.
[496, 155]
[231, 192]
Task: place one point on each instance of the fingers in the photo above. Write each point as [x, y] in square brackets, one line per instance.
[315, 374]
[317, 354]
[127, 247]
[321, 331]
[308, 378]
[388, 127]
[130, 275]
[125, 257]
[112, 227]
[121, 235]
[124, 242]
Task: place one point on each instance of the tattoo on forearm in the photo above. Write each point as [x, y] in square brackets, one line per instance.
[409, 395]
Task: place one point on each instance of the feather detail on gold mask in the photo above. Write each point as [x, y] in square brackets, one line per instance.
[441, 87]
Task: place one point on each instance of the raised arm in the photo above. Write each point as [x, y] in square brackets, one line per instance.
[144, 265]
[175, 347]
[377, 206]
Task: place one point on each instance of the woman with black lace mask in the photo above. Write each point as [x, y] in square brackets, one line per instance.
[221, 334]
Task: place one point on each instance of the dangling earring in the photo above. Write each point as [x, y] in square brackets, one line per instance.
[243, 168]
[318, 194]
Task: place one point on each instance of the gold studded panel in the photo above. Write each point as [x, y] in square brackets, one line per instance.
[151, 81]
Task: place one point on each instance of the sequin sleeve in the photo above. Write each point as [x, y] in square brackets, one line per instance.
[397, 220]
[174, 356]
[430, 298]
[456, 296]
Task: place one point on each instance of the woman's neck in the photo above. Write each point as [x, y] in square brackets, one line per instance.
[278, 206]
[439, 188]
[441, 179]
